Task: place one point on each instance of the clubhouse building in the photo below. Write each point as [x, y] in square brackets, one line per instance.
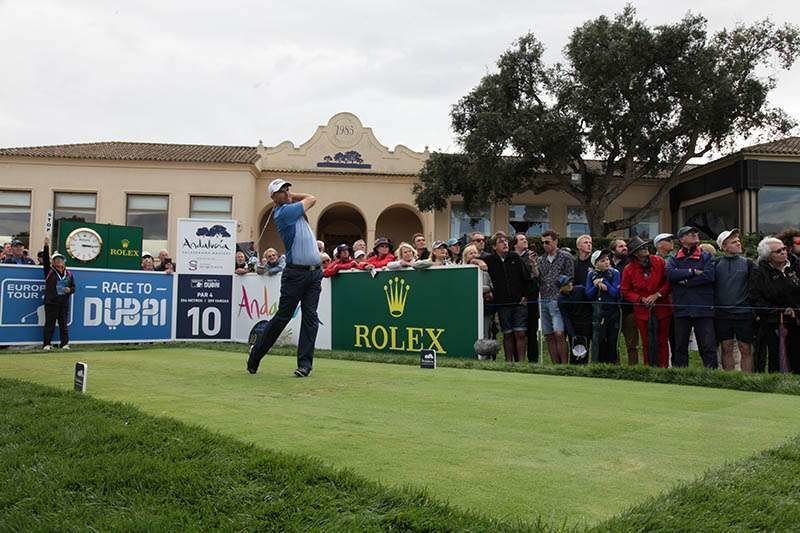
[363, 190]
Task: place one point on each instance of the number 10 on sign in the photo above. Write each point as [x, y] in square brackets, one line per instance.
[208, 321]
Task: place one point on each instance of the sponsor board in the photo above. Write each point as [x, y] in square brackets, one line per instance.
[206, 246]
[408, 311]
[108, 305]
[203, 310]
[255, 298]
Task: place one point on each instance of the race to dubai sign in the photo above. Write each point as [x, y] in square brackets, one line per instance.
[206, 246]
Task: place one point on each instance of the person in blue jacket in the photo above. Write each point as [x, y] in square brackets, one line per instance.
[602, 288]
[691, 273]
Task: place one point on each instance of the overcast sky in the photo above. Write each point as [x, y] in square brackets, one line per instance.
[208, 73]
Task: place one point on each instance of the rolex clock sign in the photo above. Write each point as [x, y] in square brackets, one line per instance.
[86, 244]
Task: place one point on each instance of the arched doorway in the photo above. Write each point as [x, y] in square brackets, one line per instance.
[398, 223]
[340, 223]
[270, 238]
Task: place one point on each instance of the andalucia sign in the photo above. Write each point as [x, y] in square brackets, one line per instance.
[407, 311]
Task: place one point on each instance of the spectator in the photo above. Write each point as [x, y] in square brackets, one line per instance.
[664, 245]
[733, 316]
[708, 248]
[602, 287]
[382, 254]
[361, 257]
[691, 276]
[471, 258]
[791, 238]
[342, 261]
[147, 264]
[406, 257]
[619, 260]
[163, 255]
[454, 250]
[241, 266]
[5, 252]
[645, 284]
[577, 317]
[583, 260]
[59, 286]
[17, 255]
[272, 263]
[528, 255]
[168, 266]
[511, 283]
[553, 264]
[419, 245]
[360, 244]
[324, 260]
[440, 255]
[775, 293]
[321, 247]
[477, 238]
[40, 258]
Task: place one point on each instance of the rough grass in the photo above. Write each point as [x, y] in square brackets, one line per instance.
[70, 462]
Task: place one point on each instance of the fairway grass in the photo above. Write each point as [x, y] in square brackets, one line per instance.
[511, 446]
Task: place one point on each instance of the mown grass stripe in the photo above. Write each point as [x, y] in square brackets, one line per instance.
[73, 462]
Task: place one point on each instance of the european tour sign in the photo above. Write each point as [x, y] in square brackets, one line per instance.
[407, 311]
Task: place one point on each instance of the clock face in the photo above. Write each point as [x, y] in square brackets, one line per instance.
[84, 244]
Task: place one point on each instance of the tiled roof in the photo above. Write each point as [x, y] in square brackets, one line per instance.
[786, 146]
[134, 151]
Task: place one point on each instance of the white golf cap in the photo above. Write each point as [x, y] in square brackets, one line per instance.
[147, 254]
[663, 237]
[725, 235]
[276, 185]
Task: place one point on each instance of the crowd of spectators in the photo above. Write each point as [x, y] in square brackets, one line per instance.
[653, 294]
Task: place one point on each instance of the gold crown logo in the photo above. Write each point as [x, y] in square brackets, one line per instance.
[396, 293]
[126, 243]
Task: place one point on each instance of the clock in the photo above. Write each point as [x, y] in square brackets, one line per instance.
[84, 244]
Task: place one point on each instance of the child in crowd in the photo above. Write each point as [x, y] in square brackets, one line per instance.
[602, 288]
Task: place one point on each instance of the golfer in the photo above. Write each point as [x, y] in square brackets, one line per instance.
[300, 281]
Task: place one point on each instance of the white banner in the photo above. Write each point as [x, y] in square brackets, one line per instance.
[206, 246]
[255, 298]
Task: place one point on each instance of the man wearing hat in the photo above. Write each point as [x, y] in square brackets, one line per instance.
[59, 286]
[454, 249]
[342, 260]
[300, 280]
[645, 284]
[733, 318]
[691, 274]
[664, 245]
[17, 256]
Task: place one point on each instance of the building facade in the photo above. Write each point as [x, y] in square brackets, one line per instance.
[363, 190]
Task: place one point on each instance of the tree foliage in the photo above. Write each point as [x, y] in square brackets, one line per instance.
[629, 102]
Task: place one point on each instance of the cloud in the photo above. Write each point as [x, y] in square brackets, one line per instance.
[205, 72]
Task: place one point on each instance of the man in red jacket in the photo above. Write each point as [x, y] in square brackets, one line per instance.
[645, 284]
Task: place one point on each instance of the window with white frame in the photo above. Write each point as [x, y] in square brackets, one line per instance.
[528, 219]
[80, 206]
[462, 223]
[577, 224]
[210, 207]
[647, 227]
[15, 216]
[151, 213]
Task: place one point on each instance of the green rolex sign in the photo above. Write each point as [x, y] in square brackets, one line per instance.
[407, 311]
[87, 244]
